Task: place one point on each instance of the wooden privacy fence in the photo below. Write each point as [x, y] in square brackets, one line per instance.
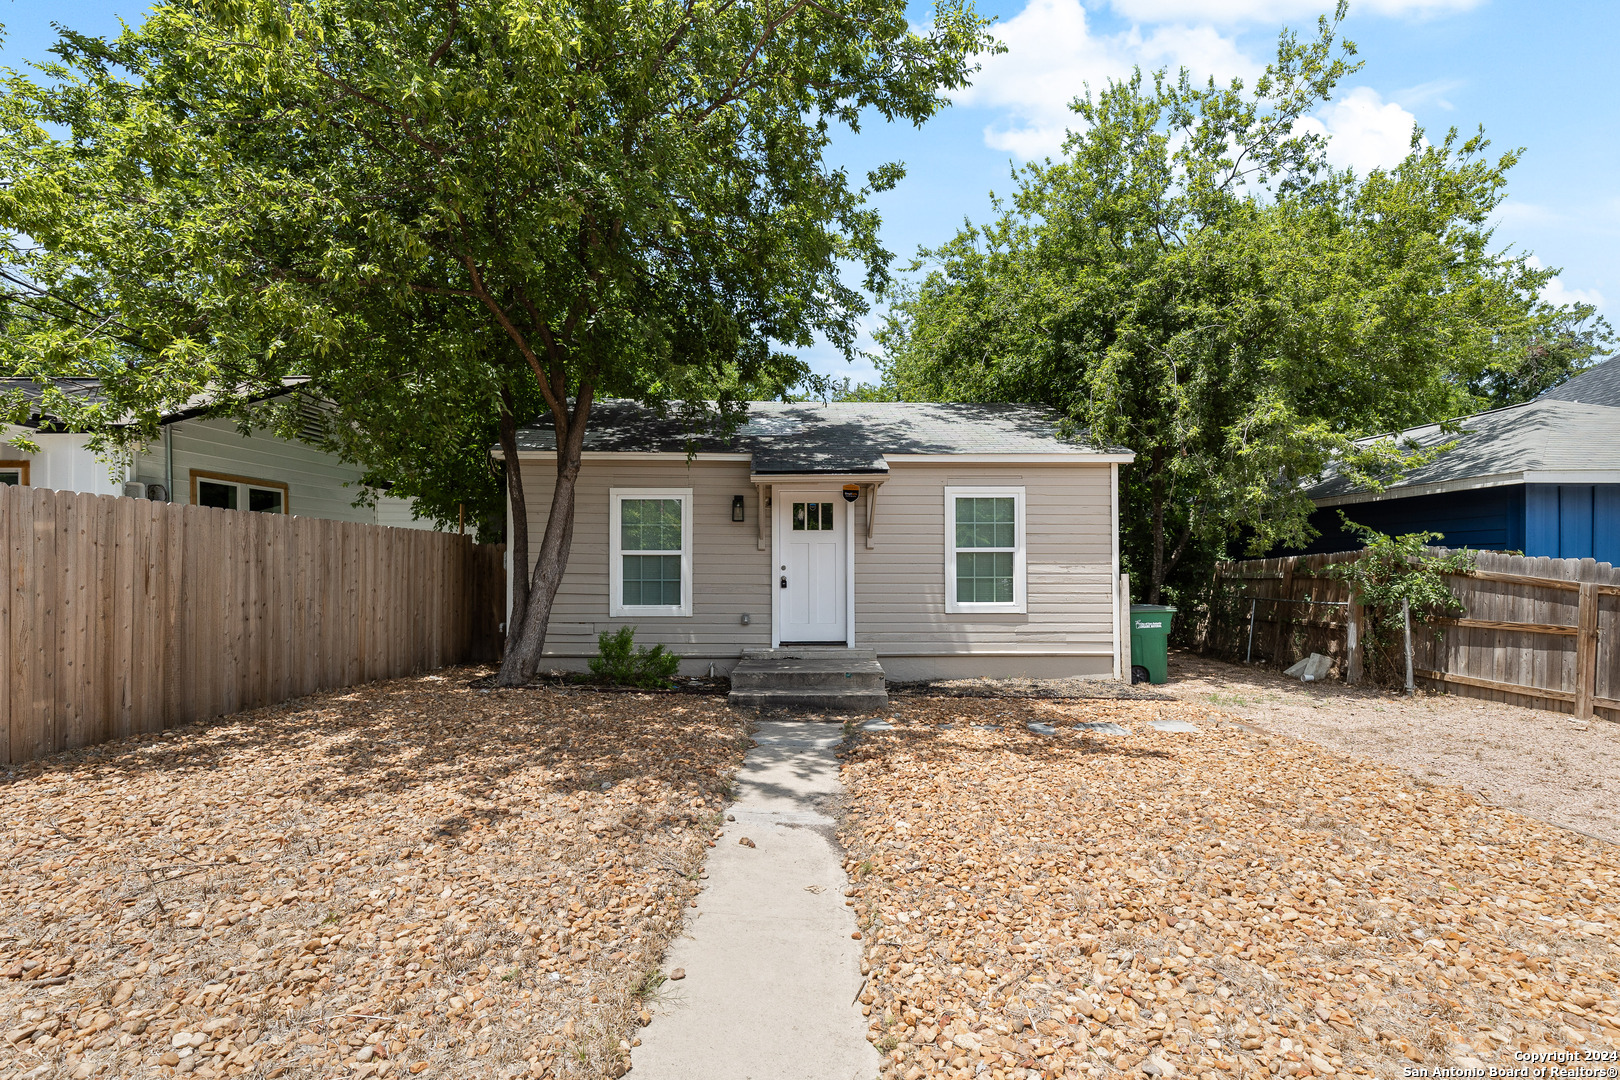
[123, 615]
[1534, 631]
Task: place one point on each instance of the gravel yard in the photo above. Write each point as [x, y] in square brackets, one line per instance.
[1224, 903]
[1539, 762]
[412, 878]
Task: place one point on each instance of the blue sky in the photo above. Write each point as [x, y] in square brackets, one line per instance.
[1536, 75]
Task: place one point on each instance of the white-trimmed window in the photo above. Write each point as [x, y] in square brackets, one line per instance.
[650, 551]
[984, 549]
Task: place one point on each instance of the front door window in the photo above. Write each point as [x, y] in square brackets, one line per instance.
[812, 517]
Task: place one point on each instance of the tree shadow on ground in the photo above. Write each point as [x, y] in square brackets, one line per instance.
[399, 735]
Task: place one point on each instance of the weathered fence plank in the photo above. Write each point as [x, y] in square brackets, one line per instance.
[1536, 631]
[120, 615]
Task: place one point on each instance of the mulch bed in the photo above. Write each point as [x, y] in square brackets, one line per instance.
[1224, 903]
[411, 878]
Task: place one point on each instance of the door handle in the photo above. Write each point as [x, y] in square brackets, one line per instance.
[784, 581]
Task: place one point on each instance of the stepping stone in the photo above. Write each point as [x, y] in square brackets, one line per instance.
[986, 727]
[877, 725]
[1103, 727]
[1043, 729]
[1174, 725]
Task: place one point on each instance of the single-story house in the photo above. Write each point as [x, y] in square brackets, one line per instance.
[198, 459]
[951, 540]
[1542, 478]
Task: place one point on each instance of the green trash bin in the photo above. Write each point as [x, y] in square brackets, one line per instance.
[1150, 642]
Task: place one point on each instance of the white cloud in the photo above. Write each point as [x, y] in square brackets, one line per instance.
[1558, 294]
[1432, 92]
[1364, 131]
[1052, 55]
[1240, 11]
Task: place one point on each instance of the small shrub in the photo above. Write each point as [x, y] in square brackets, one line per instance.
[1396, 569]
[619, 661]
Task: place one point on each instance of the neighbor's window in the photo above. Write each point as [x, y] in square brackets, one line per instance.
[239, 493]
[984, 549]
[14, 473]
[650, 552]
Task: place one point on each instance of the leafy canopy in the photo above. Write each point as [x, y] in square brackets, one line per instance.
[397, 196]
[622, 197]
[1194, 282]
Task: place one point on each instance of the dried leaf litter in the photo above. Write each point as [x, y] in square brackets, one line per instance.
[1214, 904]
[408, 878]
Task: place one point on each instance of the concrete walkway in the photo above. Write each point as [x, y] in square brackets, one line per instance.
[771, 969]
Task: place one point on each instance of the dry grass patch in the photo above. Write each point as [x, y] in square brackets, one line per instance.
[1226, 903]
[412, 878]
[1536, 761]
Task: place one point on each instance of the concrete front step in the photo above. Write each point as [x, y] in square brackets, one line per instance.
[848, 702]
[810, 652]
[832, 675]
[822, 679]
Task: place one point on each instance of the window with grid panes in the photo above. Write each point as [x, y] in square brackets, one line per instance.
[650, 545]
[986, 539]
[984, 560]
[651, 553]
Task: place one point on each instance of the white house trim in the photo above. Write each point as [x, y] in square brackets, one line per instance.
[817, 478]
[1113, 502]
[1472, 483]
[1020, 600]
[1078, 458]
[1573, 476]
[627, 455]
[616, 607]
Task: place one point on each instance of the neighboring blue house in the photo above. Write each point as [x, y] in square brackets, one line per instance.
[1542, 478]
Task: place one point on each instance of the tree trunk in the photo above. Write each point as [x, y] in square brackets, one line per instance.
[517, 544]
[526, 640]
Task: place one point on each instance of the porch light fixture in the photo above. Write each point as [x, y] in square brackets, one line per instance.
[736, 508]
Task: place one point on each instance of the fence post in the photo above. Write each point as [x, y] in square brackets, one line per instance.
[1406, 618]
[1284, 613]
[1354, 633]
[1586, 650]
[1248, 657]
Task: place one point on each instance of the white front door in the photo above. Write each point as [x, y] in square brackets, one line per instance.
[812, 529]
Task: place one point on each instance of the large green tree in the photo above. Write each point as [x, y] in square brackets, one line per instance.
[631, 196]
[1194, 282]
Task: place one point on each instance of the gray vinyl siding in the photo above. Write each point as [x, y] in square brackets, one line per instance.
[730, 575]
[899, 583]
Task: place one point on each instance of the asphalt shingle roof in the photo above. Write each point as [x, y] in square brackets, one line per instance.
[842, 437]
[1545, 435]
[1599, 385]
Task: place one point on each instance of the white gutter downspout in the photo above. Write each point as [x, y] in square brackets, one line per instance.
[1113, 498]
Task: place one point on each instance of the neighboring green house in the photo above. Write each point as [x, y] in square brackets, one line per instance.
[200, 460]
